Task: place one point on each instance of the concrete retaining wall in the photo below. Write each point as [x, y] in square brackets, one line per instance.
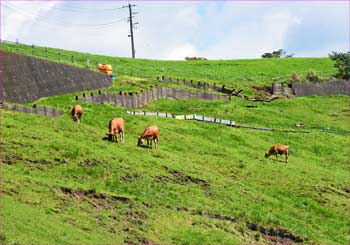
[40, 110]
[324, 88]
[138, 100]
[25, 79]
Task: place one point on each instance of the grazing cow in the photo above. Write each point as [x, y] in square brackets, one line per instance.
[278, 149]
[116, 126]
[150, 133]
[77, 112]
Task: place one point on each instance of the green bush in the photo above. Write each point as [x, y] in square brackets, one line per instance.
[342, 62]
[312, 76]
[295, 78]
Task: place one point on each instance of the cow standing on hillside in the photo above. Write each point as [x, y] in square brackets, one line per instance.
[278, 149]
[116, 126]
[150, 133]
[77, 112]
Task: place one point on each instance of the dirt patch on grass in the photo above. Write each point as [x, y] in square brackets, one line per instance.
[89, 163]
[131, 177]
[92, 195]
[12, 159]
[179, 177]
[125, 216]
[342, 191]
[277, 235]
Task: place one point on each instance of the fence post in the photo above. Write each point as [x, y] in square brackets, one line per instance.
[33, 49]
[17, 49]
[73, 60]
[46, 53]
[59, 56]
[87, 63]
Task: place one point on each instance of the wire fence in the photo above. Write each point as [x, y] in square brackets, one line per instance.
[46, 53]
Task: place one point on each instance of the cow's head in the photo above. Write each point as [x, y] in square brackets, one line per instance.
[140, 141]
[110, 137]
[267, 155]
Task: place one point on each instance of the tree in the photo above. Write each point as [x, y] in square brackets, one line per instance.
[342, 62]
[277, 54]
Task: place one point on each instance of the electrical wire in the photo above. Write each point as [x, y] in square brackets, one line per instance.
[90, 9]
[21, 11]
[95, 33]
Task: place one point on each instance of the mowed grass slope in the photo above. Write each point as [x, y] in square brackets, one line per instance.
[240, 74]
[64, 183]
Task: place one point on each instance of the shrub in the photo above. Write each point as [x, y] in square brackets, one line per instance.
[312, 76]
[342, 62]
[195, 58]
[277, 54]
[295, 78]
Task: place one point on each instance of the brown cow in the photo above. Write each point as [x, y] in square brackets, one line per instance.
[278, 149]
[150, 133]
[77, 112]
[116, 126]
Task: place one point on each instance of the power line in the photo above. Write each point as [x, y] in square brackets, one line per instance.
[19, 10]
[97, 9]
[83, 10]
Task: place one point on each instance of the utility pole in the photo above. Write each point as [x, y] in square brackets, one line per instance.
[132, 25]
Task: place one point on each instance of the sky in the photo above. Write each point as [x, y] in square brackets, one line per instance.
[172, 30]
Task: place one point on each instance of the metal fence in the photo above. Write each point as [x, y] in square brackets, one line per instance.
[228, 122]
[201, 85]
[45, 53]
[185, 117]
[138, 100]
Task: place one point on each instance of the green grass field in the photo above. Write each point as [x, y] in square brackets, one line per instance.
[64, 183]
[239, 74]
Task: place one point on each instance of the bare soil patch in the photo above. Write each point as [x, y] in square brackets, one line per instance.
[181, 178]
[276, 235]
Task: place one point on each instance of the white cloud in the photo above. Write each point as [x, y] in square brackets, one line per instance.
[15, 20]
[174, 30]
[253, 37]
[182, 51]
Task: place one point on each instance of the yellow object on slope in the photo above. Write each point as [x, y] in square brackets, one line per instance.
[105, 68]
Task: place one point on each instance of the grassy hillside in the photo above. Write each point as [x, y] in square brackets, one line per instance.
[63, 182]
[232, 73]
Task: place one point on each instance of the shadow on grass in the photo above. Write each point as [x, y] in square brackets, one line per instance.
[144, 146]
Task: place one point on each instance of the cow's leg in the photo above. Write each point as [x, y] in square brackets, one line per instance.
[122, 136]
[147, 142]
[151, 142]
[156, 143]
[287, 155]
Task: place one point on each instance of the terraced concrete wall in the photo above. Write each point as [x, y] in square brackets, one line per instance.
[325, 88]
[137, 100]
[26, 79]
